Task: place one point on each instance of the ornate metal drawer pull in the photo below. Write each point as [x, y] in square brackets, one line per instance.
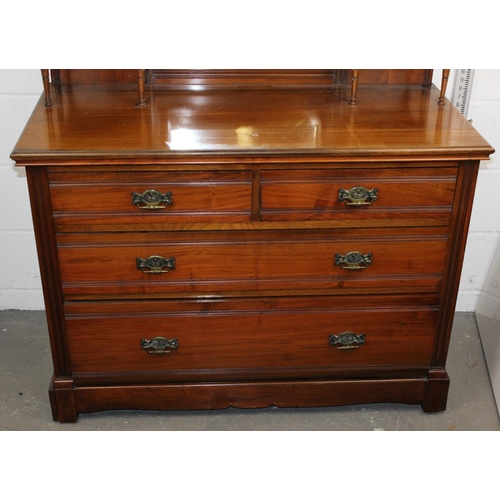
[347, 340]
[155, 264]
[152, 199]
[358, 195]
[159, 345]
[353, 260]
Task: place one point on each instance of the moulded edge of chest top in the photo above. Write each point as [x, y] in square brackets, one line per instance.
[309, 164]
[246, 159]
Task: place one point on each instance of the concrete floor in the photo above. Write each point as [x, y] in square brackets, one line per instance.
[26, 369]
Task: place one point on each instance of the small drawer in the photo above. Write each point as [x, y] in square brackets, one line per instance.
[417, 195]
[121, 198]
[246, 261]
[280, 334]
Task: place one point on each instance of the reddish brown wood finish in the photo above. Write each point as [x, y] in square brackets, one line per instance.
[43, 224]
[94, 76]
[436, 391]
[444, 84]
[393, 76]
[141, 83]
[255, 226]
[272, 335]
[245, 78]
[295, 394]
[191, 79]
[354, 87]
[46, 86]
[402, 193]
[288, 78]
[459, 227]
[83, 198]
[223, 262]
[96, 126]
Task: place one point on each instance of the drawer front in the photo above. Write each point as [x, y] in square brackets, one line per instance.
[150, 197]
[418, 194]
[321, 333]
[217, 262]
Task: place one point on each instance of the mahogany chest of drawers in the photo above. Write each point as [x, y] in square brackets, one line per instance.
[249, 248]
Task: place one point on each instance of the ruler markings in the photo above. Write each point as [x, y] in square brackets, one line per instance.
[461, 95]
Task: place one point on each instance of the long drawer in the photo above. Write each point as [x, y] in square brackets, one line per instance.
[217, 262]
[206, 337]
[150, 197]
[421, 195]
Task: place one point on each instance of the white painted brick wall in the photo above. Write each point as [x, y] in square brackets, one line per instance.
[20, 286]
[484, 231]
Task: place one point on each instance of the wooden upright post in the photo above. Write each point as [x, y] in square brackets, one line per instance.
[141, 80]
[444, 83]
[354, 86]
[46, 87]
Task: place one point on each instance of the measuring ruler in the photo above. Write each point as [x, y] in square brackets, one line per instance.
[463, 86]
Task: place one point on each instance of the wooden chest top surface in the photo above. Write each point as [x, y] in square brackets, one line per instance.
[389, 122]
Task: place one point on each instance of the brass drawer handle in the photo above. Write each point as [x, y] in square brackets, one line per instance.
[159, 345]
[152, 199]
[347, 340]
[353, 260]
[155, 264]
[358, 195]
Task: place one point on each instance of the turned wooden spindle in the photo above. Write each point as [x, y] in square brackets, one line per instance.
[354, 86]
[46, 87]
[141, 81]
[444, 83]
